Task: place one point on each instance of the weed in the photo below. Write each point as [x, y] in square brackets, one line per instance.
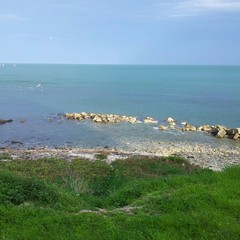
[100, 156]
[172, 199]
[5, 156]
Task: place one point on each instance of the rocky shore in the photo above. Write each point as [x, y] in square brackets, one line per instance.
[214, 157]
[202, 155]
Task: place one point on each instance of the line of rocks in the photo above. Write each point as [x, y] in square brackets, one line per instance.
[101, 118]
[216, 130]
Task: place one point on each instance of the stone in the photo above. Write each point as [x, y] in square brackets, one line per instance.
[220, 127]
[150, 120]
[205, 128]
[237, 130]
[97, 119]
[84, 115]
[236, 136]
[221, 133]
[132, 120]
[170, 120]
[189, 127]
[2, 121]
[162, 127]
[92, 115]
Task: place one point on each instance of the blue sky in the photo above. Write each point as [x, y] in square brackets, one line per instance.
[120, 31]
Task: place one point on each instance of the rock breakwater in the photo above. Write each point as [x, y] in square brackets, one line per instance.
[101, 118]
[169, 124]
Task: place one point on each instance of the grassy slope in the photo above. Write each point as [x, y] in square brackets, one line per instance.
[138, 198]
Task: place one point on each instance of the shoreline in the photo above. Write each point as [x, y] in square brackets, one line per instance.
[203, 155]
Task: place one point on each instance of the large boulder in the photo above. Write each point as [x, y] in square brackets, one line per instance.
[221, 133]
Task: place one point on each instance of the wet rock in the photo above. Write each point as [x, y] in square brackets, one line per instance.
[2, 121]
[221, 133]
[171, 122]
[162, 127]
[84, 115]
[205, 128]
[189, 127]
[236, 136]
[150, 120]
[232, 132]
[97, 119]
[131, 120]
[16, 142]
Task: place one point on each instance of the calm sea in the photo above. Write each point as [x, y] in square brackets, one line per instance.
[196, 94]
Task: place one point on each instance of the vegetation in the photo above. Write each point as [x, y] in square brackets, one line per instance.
[136, 198]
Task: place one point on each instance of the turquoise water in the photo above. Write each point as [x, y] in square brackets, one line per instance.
[196, 94]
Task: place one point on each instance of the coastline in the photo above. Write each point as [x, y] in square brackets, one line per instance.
[203, 155]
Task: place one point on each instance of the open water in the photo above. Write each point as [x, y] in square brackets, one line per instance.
[196, 94]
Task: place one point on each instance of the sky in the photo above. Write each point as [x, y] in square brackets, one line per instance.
[120, 31]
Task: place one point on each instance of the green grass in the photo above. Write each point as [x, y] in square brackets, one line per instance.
[136, 198]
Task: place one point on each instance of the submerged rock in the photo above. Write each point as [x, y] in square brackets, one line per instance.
[2, 121]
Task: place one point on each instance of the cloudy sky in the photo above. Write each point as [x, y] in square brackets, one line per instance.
[120, 31]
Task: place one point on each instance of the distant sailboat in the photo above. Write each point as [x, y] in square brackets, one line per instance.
[14, 65]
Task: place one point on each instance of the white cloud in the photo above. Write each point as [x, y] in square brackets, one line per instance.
[162, 9]
[197, 7]
[11, 17]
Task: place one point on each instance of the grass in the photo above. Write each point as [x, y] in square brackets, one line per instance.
[136, 198]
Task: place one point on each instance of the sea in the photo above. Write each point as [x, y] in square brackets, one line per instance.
[36, 96]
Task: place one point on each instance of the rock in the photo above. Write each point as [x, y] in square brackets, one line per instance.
[205, 128]
[236, 136]
[22, 120]
[131, 120]
[218, 128]
[92, 115]
[237, 130]
[189, 127]
[171, 122]
[162, 127]
[97, 119]
[233, 131]
[2, 121]
[221, 133]
[16, 142]
[150, 120]
[84, 115]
